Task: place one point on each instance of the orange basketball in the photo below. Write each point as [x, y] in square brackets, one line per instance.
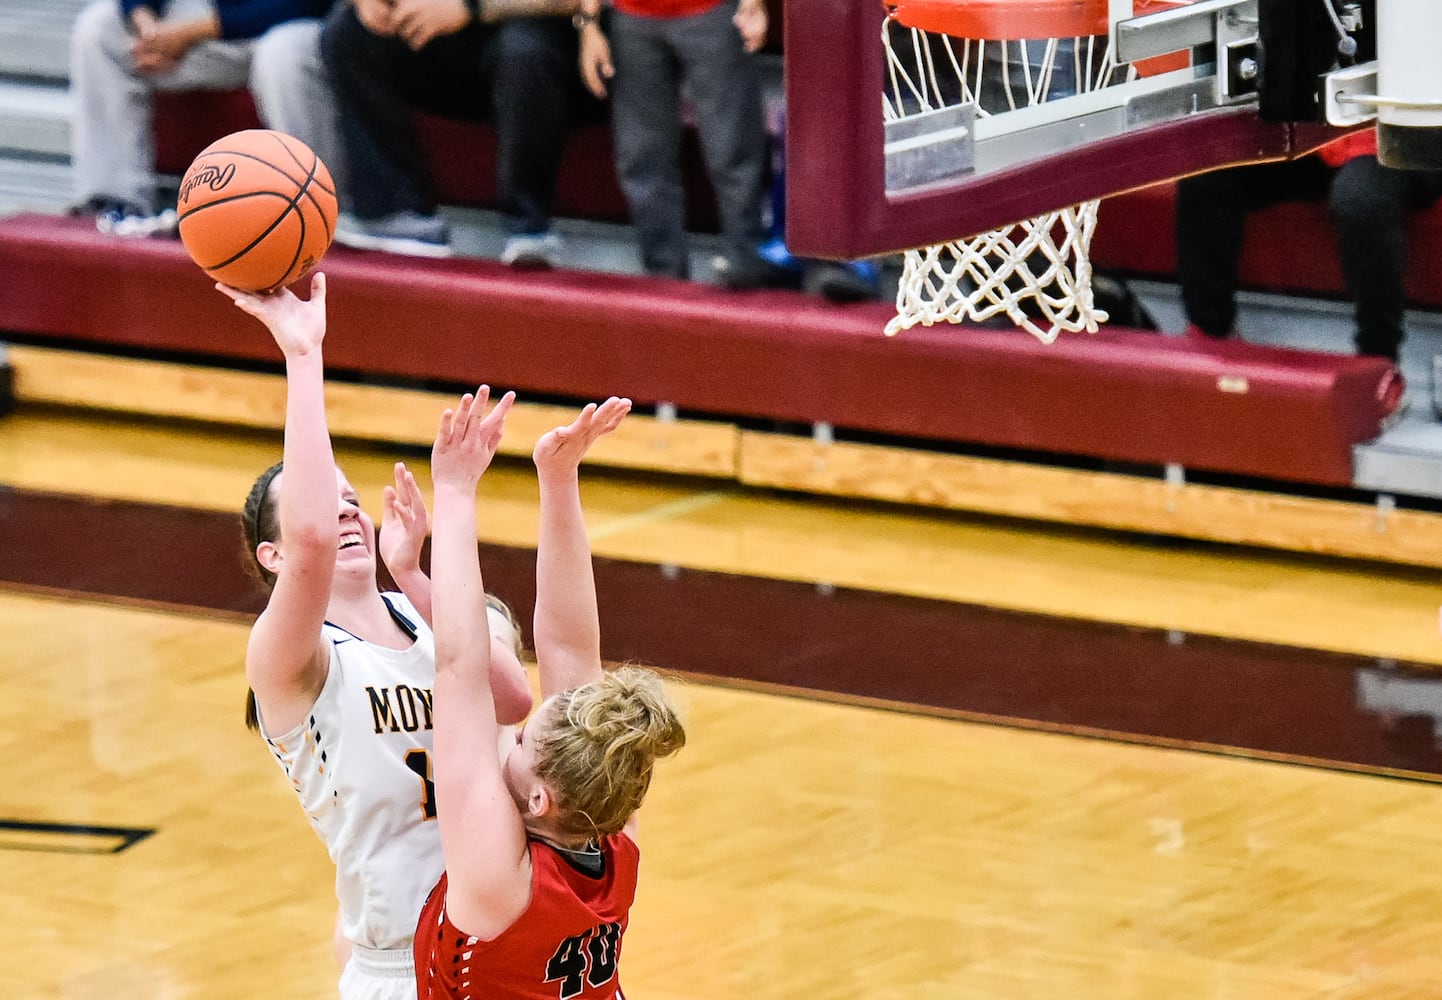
[257, 210]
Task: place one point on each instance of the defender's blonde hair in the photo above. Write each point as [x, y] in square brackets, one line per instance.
[599, 747]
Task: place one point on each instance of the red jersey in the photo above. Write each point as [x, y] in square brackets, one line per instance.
[664, 9]
[566, 945]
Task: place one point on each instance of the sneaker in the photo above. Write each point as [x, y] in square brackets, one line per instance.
[101, 204]
[165, 223]
[117, 217]
[408, 233]
[749, 272]
[856, 281]
[775, 252]
[536, 251]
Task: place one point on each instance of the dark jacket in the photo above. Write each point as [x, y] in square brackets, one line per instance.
[246, 18]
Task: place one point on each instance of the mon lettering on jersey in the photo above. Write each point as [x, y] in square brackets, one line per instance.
[401, 708]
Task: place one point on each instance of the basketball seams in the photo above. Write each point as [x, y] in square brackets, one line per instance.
[261, 263]
[302, 185]
[310, 178]
[261, 237]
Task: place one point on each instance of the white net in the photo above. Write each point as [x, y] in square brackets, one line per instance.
[1042, 283]
[1037, 272]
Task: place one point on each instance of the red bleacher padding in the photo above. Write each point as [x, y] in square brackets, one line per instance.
[1122, 395]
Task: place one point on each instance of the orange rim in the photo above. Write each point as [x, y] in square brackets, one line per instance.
[1004, 20]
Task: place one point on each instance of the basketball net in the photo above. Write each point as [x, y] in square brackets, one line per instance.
[1036, 272]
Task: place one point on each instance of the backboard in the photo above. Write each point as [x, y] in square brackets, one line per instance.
[886, 151]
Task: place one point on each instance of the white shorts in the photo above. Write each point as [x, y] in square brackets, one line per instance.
[379, 975]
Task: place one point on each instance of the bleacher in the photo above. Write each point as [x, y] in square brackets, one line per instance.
[1240, 442]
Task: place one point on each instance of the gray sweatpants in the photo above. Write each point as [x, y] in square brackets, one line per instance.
[656, 60]
[113, 143]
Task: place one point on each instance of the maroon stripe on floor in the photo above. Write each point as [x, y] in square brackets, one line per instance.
[933, 656]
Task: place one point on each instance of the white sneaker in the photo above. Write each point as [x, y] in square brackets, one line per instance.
[402, 232]
[164, 223]
[531, 250]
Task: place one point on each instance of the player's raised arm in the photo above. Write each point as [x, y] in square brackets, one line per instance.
[481, 830]
[567, 625]
[285, 662]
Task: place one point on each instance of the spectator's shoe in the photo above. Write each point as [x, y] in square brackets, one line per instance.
[164, 223]
[1392, 394]
[855, 281]
[531, 251]
[775, 252]
[103, 204]
[117, 217]
[408, 233]
[740, 274]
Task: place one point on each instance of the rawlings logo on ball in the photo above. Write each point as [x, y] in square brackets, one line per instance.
[214, 178]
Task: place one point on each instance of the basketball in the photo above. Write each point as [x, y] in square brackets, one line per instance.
[257, 210]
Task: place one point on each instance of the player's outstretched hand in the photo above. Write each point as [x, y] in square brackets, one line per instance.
[561, 450]
[467, 439]
[405, 523]
[298, 325]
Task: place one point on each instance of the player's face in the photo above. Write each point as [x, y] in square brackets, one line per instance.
[355, 545]
[355, 532]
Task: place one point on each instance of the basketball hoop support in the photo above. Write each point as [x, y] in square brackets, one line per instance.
[1401, 89]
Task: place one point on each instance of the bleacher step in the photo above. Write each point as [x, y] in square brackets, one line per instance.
[35, 37]
[35, 119]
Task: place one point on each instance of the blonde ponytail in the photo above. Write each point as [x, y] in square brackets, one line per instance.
[600, 747]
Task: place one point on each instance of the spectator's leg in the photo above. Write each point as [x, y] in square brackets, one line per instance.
[293, 94]
[534, 84]
[1369, 205]
[371, 77]
[113, 148]
[1212, 210]
[646, 125]
[721, 80]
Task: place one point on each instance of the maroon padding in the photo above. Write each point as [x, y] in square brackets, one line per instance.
[461, 157]
[1288, 248]
[1123, 395]
[836, 200]
[187, 121]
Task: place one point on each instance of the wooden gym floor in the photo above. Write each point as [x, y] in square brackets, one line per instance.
[931, 756]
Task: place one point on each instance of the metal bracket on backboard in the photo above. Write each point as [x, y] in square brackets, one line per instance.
[1350, 96]
[930, 146]
[1229, 25]
[1164, 105]
[1344, 92]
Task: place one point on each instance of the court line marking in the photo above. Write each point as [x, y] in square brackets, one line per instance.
[69, 838]
[662, 512]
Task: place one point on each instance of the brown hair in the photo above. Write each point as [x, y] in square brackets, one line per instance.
[600, 745]
[259, 522]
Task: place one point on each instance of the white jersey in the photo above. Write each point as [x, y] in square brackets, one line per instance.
[361, 766]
